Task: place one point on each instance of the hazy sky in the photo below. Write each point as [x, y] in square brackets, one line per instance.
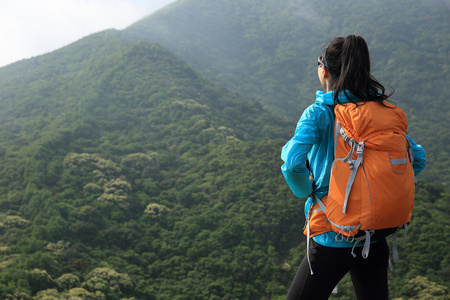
[32, 27]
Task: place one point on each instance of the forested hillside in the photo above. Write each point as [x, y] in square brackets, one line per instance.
[267, 51]
[127, 175]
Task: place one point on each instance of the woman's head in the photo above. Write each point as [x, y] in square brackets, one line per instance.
[347, 63]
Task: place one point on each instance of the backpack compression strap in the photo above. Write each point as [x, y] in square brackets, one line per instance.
[353, 164]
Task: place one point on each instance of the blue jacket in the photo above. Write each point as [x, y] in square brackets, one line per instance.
[314, 141]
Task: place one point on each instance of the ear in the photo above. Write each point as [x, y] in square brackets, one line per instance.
[323, 72]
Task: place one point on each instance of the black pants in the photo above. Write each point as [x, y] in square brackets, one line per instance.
[369, 275]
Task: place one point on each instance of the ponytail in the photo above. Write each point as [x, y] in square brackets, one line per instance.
[348, 62]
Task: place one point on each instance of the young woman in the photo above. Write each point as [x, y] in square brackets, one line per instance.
[344, 72]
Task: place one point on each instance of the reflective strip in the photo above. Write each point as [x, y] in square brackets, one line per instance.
[399, 161]
[345, 227]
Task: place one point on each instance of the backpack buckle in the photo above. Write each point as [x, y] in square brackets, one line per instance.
[344, 135]
[360, 149]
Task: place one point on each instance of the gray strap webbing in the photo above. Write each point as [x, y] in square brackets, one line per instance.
[395, 257]
[307, 246]
[308, 228]
[358, 240]
[348, 159]
[316, 210]
[322, 206]
[391, 265]
[351, 179]
[404, 236]
[336, 135]
[394, 247]
[366, 248]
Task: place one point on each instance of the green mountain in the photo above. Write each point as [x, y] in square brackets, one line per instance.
[127, 175]
[267, 51]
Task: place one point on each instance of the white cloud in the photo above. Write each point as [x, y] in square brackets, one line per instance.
[30, 27]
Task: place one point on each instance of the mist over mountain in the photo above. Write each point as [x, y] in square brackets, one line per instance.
[144, 163]
[267, 51]
[245, 44]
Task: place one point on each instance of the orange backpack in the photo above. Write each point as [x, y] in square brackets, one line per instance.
[372, 179]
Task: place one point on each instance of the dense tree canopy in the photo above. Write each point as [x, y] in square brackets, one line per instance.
[127, 175]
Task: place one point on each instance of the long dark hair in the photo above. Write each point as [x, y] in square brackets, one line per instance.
[347, 60]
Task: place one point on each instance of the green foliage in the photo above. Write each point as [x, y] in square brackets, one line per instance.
[421, 288]
[108, 282]
[126, 175]
[67, 281]
[267, 51]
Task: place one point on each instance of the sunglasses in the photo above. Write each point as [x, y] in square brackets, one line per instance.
[319, 62]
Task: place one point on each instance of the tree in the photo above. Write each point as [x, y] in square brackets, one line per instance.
[421, 288]
[108, 281]
[67, 281]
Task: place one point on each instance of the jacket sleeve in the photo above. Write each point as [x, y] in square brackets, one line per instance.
[419, 162]
[295, 153]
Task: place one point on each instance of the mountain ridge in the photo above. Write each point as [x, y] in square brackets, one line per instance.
[289, 32]
[126, 173]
